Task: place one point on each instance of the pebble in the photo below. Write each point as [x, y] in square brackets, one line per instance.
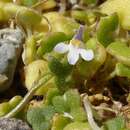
[13, 124]
[10, 47]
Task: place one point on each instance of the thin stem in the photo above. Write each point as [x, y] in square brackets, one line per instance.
[112, 75]
[104, 108]
[49, 24]
[29, 95]
[88, 109]
[17, 22]
[38, 4]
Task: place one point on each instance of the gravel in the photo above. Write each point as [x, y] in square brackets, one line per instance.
[13, 124]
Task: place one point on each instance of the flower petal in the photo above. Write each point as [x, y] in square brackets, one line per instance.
[79, 33]
[73, 56]
[61, 48]
[86, 54]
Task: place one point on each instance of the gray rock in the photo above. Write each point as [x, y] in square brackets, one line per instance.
[13, 124]
[10, 45]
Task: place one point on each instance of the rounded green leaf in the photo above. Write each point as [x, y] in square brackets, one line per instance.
[59, 104]
[117, 123]
[42, 126]
[61, 84]
[122, 70]
[11, 9]
[78, 114]
[59, 122]
[77, 126]
[122, 8]
[56, 67]
[72, 98]
[29, 2]
[50, 42]
[33, 72]
[50, 94]
[4, 108]
[106, 28]
[49, 4]
[3, 16]
[120, 51]
[48, 112]
[35, 116]
[65, 24]
[15, 101]
[28, 17]
[79, 15]
[88, 69]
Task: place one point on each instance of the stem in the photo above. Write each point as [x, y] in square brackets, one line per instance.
[28, 96]
[104, 108]
[88, 109]
[112, 75]
[38, 4]
[49, 24]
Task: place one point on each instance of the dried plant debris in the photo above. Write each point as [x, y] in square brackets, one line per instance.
[73, 64]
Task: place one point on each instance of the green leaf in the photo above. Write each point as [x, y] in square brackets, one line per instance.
[122, 70]
[122, 7]
[50, 42]
[25, 16]
[61, 84]
[78, 126]
[56, 67]
[50, 95]
[29, 50]
[88, 69]
[79, 15]
[42, 126]
[48, 112]
[7, 1]
[35, 116]
[33, 72]
[67, 68]
[65, 24]
[59, 104]
[117, 123]
[59, 122]
[106, 28]
[10, 9]
[4, 108]
[120, 51]
[3, 16]
[29, 2]
[40, 118]
[72, 98]
[78, 114]
[15, 101]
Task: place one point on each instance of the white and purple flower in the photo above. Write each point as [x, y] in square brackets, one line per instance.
[75, 48]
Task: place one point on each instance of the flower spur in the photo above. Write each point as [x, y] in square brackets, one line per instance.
[75, 48]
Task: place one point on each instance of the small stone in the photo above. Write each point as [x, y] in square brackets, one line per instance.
[10, 47]
[13, 124]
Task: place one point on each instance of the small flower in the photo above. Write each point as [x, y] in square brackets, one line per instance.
[75, 49]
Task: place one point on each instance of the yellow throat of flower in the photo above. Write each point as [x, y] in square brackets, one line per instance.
[75, 42]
